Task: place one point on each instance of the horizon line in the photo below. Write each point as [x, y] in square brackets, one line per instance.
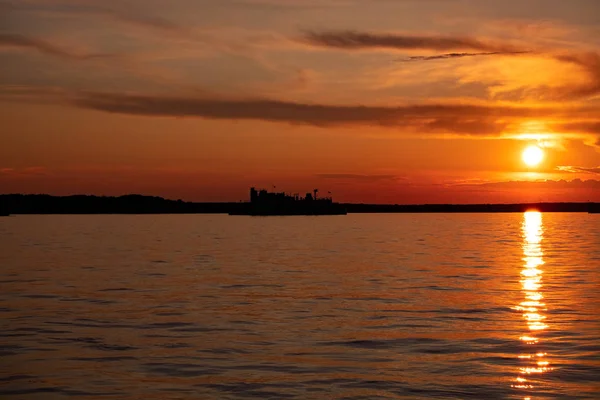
[526, 203]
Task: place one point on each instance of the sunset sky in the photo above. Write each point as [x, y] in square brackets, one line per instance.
[379, 101]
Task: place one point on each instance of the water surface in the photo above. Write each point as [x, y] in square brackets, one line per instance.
[482, 306]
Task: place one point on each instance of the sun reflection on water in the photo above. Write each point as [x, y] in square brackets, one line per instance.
[532, 306]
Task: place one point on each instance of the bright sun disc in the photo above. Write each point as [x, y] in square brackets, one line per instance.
[533, 155]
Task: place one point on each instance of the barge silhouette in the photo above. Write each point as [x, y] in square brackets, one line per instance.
[264, 203]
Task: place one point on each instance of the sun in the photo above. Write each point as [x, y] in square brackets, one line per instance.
[533, 155]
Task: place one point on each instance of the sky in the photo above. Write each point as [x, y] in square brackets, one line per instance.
[379, 101]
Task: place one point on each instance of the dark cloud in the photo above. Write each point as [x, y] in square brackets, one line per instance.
[459, 55]
[42, 46]
[306, 112]
[463, 119]
[354, 40]
[574, 169]
[425, 118]
[467, 125]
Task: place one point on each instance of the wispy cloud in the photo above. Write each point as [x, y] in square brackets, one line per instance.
[359, 177]
[354, 40]
[23, 172]
[16, 40]
[146, 21]
[581, 126]
[290, 4]
[545, 184]
[13, 40]
[458, 55]
[590, 127]
[578, 170]
[463, 46]
[590, 63]
[118, 12]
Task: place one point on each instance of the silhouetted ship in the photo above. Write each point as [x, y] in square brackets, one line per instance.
[594, 208]
[266, 203]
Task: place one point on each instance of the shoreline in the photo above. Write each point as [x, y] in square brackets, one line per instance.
[138, 204]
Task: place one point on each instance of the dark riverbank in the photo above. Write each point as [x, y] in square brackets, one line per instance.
[138, 204]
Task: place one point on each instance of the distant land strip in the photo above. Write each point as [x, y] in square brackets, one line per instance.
[140, 204]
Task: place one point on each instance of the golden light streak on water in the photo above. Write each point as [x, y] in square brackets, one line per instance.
[532, 307]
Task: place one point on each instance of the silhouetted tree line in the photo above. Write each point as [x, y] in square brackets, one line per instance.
[83, 204]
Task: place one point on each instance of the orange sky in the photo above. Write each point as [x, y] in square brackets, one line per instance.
[405, 101]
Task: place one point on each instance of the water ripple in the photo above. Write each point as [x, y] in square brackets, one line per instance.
[365, 307]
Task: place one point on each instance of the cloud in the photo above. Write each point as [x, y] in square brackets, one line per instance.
[466, 125]
[584, 83]
[354, 40]
[589, 127]
[580, 126]
[359, 177]
[545, 184]
[466, 118]
[460, 119]
[8, 40]
[119, 12]
[150, 22]
[575, 170]
[588, 62]
[298, 113]
[23, 172]
[459, 55]
[289, 4]
[15, 40]
[463, 119]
